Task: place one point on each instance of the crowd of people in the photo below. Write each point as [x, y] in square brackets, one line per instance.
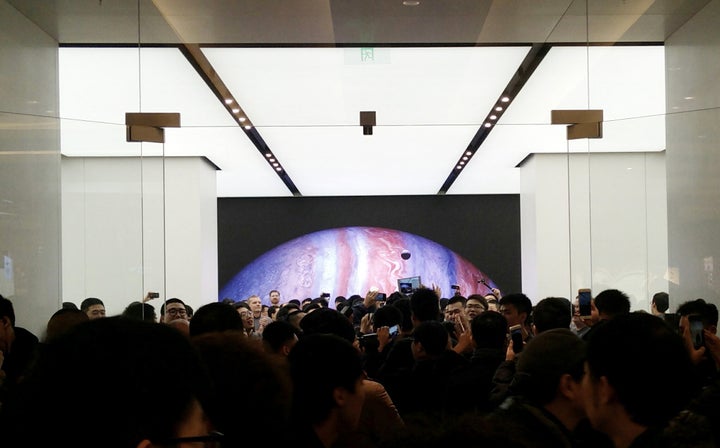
[406, 370]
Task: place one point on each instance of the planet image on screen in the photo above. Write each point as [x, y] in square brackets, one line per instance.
[350, 260]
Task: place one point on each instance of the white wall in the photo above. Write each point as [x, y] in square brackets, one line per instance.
[29, 170]
[132, 225]
[693, 159]
[604, 228]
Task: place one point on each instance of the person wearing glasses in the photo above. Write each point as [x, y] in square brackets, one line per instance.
[173, 309]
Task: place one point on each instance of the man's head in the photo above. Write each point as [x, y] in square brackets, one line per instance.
[630, 359]
[7, 324]
[660, 303]
[551, 370]
[516, 308]
[492, 302]
[280, 337]
[255, 304]
[489, 330]
[327, 376]
[475, 305]
[424, 305]
[552, 312]
[275, 297]
[455, 308]
[93, 307]
[215, 317]
[708, 313]
[430, 340]
[610, 304]
[172, 309]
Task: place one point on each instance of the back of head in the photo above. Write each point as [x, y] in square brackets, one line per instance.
[140, 311]
[96, 385]
[661, 301]
[7, 310]
[433, 337]
[62, 321]
[552, 312]
[403, 304]
[489, 330]
[319, 363]
[387, 316]
[328, 321]
[425, 305]
[90, 301]
[213, 317]
[612, 302]
[640, 355]
[545, 359]
[277, 334]
[251, 398]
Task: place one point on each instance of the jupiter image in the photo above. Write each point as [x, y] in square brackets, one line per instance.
[353, 260]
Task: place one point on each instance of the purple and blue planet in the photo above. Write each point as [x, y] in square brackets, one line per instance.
[354, 260]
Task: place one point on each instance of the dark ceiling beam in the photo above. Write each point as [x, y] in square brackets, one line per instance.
[517, 82]
[202, 65]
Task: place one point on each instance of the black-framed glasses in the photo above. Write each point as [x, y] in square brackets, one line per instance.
[175, 311]
[213, 440]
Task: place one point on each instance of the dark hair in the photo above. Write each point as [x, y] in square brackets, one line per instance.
[277, 333]
[131, 356]
[520, 301]
[661, 301]
[319, 363]
[707, 311]
[479, 298]
[215, 317]
[433, 337]
[62, 321]
[294, 301]
[444, 302]
[90, 301]
[489, 330]
[249, 385]
[640, 355]
[387, 316]
[272, 309]
[552, 312]
[322, 301]
[7, 310]
[545, 359]
[327, 321]
[403, 304]
[425, 305]
[612, 302]
[457, 299]
[168, 302]
[140, 311]
[69, 306]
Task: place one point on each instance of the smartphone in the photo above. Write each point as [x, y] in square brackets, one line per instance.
[696, 330]
[584, 301]
[381, 297]
[394, 330]
[517, 338]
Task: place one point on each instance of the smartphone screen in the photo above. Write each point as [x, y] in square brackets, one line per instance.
[517, 338]
[696, 331]
[394, 330]
[584, 299]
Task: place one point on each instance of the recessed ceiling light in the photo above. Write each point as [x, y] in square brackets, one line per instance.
[469, 153]
[272, 160]
[411, 2]
[459, 167]
[267, 154]
[504, 99]
[487, 125]
[235, 110]
[493, 117]
[276, 164]
[278, 169]
[242, 119]
[689, 97]
[499, 108]
[228, 100]
[462, 162]
[465, 158]
[247, 126]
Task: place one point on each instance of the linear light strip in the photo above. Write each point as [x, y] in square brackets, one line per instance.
[517, 82]
[202, 65]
